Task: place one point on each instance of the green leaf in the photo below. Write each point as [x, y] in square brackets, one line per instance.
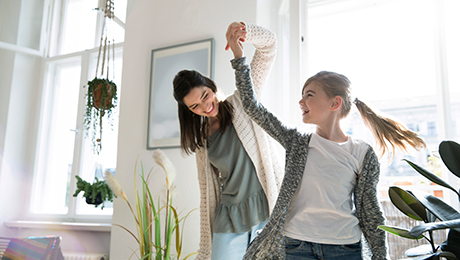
[430, 176]
[436, 256]
[450, 155]
[421, 250]
[418, 230]
[399, 232]
[439, 208]
[447, 255]
[452, 243]
[407, 204]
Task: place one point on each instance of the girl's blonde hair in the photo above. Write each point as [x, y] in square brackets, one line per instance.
[387, 132]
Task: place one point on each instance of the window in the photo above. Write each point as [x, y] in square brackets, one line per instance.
[431, 129]
[63, 149]
[392, 64]
[401, 57]
[411, 126]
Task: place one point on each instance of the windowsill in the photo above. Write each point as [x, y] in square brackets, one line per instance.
[78, 226]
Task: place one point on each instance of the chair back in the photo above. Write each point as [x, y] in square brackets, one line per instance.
[33, 248]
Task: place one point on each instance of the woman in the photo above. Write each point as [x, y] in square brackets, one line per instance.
[238, 172]
[328, 199]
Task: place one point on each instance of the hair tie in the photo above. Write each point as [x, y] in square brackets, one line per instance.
[356, 101]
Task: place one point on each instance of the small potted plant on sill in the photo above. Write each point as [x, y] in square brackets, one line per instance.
[101, 99]
[95, 193]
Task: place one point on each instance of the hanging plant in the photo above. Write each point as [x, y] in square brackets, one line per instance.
[95, 193]
[101, 99]
[101, 95]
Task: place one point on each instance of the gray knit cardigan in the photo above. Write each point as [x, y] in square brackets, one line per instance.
[269, 244]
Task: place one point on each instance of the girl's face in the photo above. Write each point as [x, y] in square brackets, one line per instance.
[202, 101]
[315, 105]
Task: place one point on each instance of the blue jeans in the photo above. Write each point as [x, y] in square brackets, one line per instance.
[233, 246]
[297, 249]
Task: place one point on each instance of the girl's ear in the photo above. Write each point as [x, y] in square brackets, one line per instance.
[336, 103]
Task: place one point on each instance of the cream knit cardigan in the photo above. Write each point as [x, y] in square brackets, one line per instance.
[255, 141]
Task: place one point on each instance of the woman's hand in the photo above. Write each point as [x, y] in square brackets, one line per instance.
[236, 35]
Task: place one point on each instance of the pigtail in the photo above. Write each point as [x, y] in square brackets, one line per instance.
[388, 132]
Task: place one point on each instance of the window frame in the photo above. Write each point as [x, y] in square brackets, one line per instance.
[297, 22]
[56, 16]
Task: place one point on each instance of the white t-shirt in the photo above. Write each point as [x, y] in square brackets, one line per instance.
[322, 209]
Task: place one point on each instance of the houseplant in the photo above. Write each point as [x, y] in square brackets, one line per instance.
[154, 242]
[428, 209]
[95, 193]
[101, 99]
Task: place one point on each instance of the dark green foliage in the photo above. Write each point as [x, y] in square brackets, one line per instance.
[101, 99]
[450, 154]
[91, 191]
[428, 208]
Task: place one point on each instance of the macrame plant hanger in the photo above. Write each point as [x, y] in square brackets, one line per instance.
[106, 48]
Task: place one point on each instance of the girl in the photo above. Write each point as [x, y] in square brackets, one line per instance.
[328, 196]
[238, 173]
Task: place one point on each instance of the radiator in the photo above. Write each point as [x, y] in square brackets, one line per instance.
[86, 256]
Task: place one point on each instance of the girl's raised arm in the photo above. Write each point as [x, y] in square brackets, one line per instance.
[256, 111]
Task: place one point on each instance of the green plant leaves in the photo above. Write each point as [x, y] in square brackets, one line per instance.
[439, 208]
[450, 155]
[399, 232]
[421, 250]
[436, 256]
[431, 176]
[452, 243]
[407, 204]
[418, 230]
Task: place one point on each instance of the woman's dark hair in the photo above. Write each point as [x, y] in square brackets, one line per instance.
[193, 127]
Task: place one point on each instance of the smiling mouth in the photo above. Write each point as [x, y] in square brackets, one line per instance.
[304, 111]
[210, 109]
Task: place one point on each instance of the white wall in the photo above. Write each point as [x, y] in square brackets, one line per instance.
[153, 24]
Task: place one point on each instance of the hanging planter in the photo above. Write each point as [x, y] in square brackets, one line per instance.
[101, 95]
[101, 99]
[94, 193]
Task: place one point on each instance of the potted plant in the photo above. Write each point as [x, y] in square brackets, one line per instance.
[434, 213]
[158, 224]
[101, 99]
[95, 193]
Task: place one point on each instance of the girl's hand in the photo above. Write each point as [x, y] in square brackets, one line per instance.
[236, 35]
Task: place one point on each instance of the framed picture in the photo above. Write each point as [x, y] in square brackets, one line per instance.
[163, 123]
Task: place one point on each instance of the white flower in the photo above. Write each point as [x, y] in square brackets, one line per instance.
[113, 185]
[160, 158]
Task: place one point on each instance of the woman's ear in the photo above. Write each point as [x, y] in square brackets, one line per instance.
[336, 103]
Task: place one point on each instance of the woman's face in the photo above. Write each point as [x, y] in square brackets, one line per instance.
[202, 101]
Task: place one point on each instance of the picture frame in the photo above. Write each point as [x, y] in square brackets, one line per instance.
[163, 122]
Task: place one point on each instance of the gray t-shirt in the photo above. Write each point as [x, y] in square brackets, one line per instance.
[243, 203]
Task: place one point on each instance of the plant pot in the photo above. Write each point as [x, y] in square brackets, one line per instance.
[99, 101]
[97, 200]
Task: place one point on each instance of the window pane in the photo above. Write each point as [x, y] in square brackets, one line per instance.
[387, 49]
[452, 23]
[93, 164]
[120, 9]
[21, 22]
[57, 138]
[79, 26]
[390, 63]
